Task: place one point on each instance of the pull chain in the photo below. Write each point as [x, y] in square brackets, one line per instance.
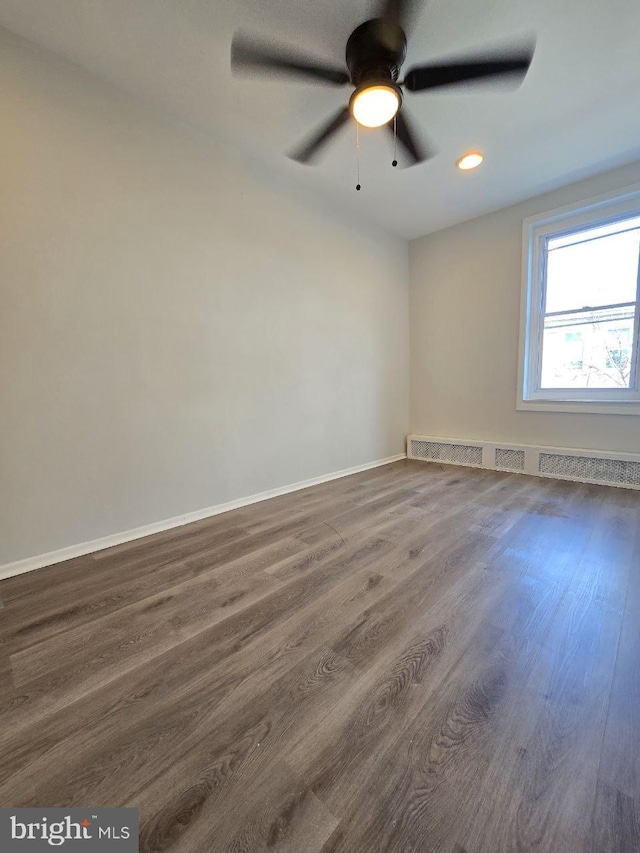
[394, 162]
[357, 156]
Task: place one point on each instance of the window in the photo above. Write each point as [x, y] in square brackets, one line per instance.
[580, 327]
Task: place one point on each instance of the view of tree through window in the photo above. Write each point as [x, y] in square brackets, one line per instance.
[590, 307]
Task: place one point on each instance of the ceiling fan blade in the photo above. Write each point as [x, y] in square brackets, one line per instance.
[409, 140]
[395, 16]
[435, 76]
[249, 55]
[312, 146]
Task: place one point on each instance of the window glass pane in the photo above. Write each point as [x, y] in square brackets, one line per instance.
[601, 269]
[588, 351]
[591, 233]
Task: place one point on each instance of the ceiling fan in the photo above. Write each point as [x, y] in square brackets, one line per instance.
[374, 56]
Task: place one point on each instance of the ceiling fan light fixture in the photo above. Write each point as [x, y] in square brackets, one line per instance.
[470, 160]
[375, 105]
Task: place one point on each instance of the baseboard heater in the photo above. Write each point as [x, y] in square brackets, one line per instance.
[564, 463]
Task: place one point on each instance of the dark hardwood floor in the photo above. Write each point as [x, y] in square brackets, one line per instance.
[418, 659]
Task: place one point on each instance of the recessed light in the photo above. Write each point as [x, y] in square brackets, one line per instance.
[470, 160]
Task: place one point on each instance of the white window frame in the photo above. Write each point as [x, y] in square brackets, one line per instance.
[537, 230]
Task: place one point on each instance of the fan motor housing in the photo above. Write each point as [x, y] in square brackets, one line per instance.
[368, 59]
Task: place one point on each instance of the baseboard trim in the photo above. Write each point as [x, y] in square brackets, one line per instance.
[30, 564]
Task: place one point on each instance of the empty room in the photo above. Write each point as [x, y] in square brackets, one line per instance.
[319, 426]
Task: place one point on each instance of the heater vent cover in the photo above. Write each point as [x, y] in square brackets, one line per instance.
[567, 463]
[602, 470]
[438, 451]
[509, 460]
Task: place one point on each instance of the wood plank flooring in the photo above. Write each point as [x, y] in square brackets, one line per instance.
[415, 659]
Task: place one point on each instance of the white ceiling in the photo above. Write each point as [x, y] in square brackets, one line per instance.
[577, 112]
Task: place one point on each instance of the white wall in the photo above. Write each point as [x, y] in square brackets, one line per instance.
[174, 332]
[465, 309]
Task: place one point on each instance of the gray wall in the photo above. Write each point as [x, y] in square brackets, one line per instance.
[175, 332]
[465, 312]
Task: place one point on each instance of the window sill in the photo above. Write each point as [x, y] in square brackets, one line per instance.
[590, 407]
